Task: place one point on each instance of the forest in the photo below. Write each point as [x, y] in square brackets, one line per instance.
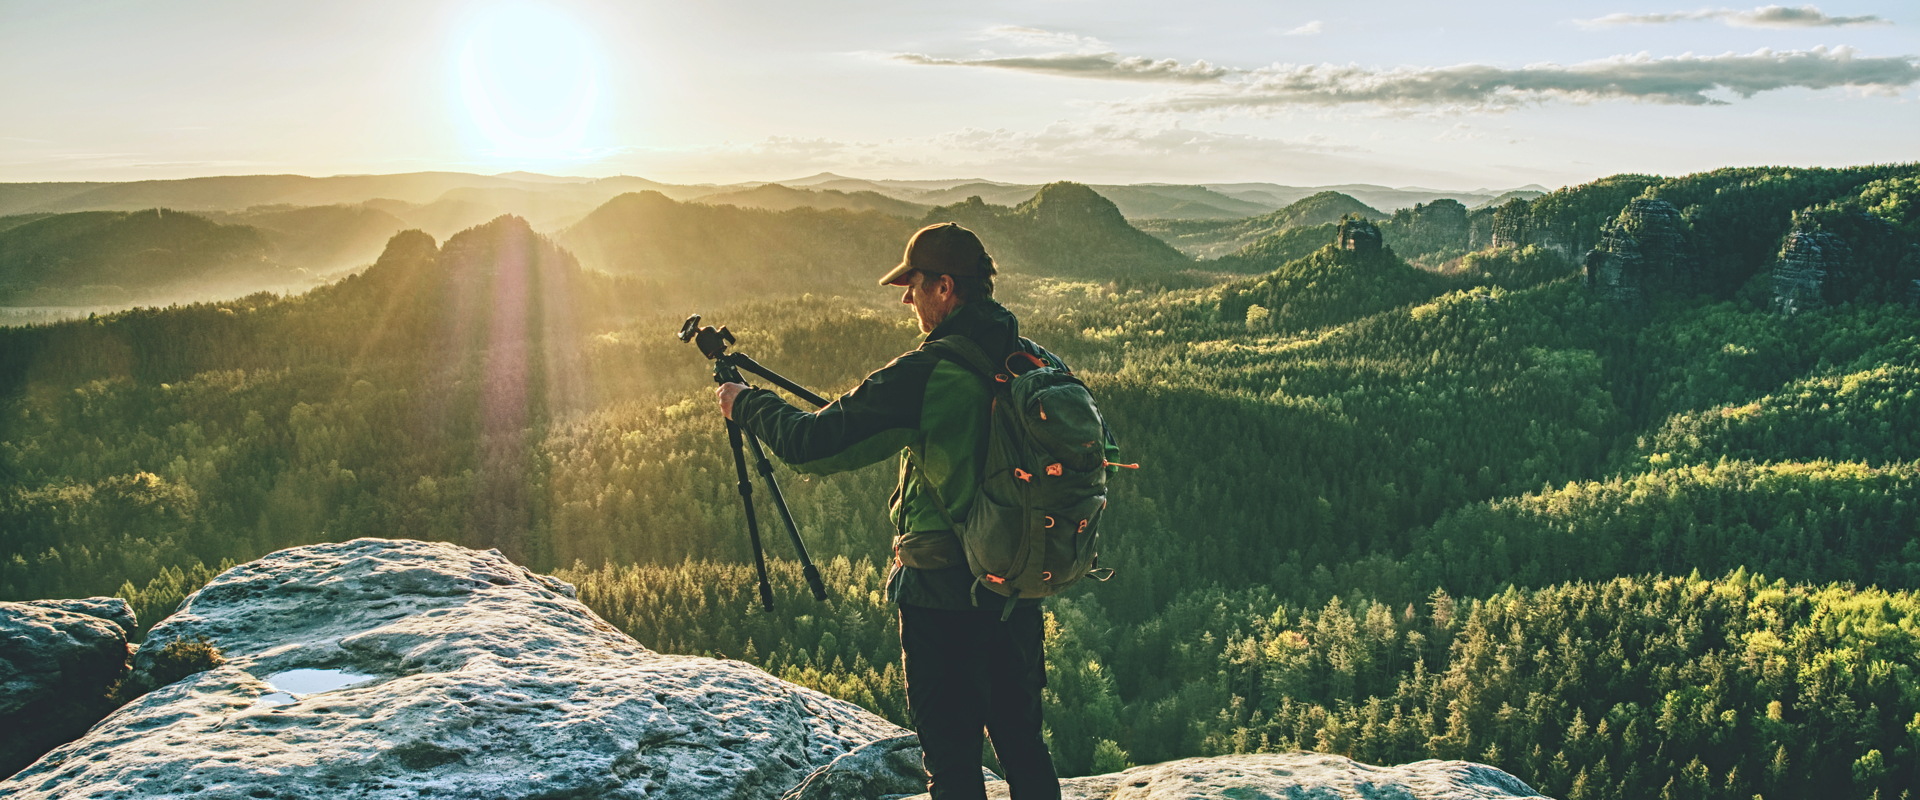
[1427, 484]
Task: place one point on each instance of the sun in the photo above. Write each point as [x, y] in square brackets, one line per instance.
[529, 81]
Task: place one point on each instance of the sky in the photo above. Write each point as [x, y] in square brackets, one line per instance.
[1451, 96]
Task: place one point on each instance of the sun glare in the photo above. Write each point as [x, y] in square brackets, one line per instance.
[528, 78]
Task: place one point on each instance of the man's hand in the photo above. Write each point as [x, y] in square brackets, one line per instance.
[726, 393]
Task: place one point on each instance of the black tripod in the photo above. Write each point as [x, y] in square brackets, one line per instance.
[726, 369]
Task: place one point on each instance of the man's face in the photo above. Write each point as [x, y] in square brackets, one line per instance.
[931, 296]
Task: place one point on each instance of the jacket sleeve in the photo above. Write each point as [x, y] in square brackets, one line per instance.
[865, 426]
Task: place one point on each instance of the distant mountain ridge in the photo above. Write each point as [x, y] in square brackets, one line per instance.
[1380, 197]
[779, 197]
[240, 192]
[711, 248]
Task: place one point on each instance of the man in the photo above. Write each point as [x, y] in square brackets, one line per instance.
[965, 668]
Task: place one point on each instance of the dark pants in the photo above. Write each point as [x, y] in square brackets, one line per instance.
[967, 670]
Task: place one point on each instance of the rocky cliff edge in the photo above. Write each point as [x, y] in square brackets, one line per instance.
[390, 668]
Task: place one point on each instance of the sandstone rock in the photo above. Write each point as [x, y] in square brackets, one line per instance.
[1642, 250]
[885, 768]
[1810, 261]
[57, 667]
[111, 609]
[1607, 275]
[1357, 234]
[1292, 775]
[468, 676]
[1512, 222]
[1657, 231]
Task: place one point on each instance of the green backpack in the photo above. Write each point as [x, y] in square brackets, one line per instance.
[1033, 526]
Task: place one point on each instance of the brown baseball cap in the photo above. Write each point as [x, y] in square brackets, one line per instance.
[942, 248]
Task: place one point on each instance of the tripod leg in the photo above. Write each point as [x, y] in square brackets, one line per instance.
[786, 515]
[734, 435]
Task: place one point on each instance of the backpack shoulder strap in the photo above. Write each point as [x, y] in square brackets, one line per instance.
[963, 351]
[1046, 358]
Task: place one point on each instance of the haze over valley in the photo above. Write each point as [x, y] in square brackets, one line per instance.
[336, 337]
[75, 249]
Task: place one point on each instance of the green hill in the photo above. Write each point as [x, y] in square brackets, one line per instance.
[106, 256]
[695, 252]
[1066, 230]
[1137, 202]
[1214, 239]
[1163, 201]
[322, 239]
[17, 220]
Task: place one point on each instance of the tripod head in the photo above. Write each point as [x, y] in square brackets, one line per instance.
[712, 342]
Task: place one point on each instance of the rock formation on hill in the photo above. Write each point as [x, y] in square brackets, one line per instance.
[1835, 255]
[398, 669]
[1643, 249]
[1357, 234]
[59, 660]
[1809, 262]
[1511, 224]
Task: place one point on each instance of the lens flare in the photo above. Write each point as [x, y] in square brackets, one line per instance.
[529, 81]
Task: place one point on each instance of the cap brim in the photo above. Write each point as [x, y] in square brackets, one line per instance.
[898, 277]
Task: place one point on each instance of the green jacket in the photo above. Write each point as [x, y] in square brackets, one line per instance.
[930, 405]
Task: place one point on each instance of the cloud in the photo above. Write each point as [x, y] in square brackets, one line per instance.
[1762, 17]
[1043, 38]
[1310, 29]
[1678, 80]
[1105, 66]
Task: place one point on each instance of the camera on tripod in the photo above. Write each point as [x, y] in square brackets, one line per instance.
[713, 343]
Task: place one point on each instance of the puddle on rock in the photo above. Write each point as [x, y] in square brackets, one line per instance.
[315, 681]
[294, 684]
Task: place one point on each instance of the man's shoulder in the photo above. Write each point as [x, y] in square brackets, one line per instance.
[912, 359]
[908, 371]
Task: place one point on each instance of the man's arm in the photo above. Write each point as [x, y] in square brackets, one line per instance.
[861, 427]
